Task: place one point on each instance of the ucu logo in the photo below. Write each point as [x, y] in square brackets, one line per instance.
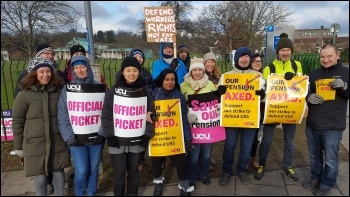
[6, 113]
[201, 136]
[175, 150]
[120, 91]
[73, 87]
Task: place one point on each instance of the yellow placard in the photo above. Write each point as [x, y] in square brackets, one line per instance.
[285, 99]
[240, 106]
[168, 138]
[324, 89]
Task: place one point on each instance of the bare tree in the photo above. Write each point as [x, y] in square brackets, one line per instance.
[27, 20]
[240, 23]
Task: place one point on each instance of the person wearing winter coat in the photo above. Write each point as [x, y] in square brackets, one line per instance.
[243, 60]
[127, 125]
[184, 55]
[167, 60]
[79, 112]
[166, 87]
[197, 82]
[326, 121]
[36, 135]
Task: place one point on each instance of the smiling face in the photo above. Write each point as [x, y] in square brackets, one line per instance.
[244, 61]
[43, 75]
[80, 70]
[131, 74]
[284, 54]
[257, 63]
[329, 57]
[48, 55]
[209, 65]
[197, 73]
[169, 82]
[168, 51]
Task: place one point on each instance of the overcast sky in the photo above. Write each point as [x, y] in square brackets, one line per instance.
[123, 16]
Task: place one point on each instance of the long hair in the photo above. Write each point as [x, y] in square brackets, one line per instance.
[158, 81]
[31, 79]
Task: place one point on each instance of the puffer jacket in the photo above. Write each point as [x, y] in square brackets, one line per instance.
[159, 94]
[161, 64]
[36, 132]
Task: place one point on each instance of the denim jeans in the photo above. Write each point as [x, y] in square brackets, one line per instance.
[324, 158]
[40, 183]
[288, 136]
[86, 159]
[199, 161]
[232, 135]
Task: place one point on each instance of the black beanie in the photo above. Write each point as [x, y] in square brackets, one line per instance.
[182, 48]
[131, 61]
[284, 42]
[41, 48]
[77, 48]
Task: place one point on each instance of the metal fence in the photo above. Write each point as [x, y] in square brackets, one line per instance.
[11, 70]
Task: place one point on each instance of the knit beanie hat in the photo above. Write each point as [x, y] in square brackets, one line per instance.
[196, 63]
[38, 62]
[41, 48]
[131, 61]
[77, 48]
[241, 51]
[137, 51]
[284, 42]
[79, 60]
[182, 48]
[209, 56]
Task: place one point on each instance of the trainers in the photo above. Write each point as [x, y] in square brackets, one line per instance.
[158, 189]
[184, 193]
[253, 164]
[49, 189]
[320, 191]
[243, 178]
[224, 179]
[144, 167]
[206, 181]
[290, 172]
[311, 184]
[259, 173]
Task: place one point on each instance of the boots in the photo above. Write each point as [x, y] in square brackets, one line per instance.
[253, 164]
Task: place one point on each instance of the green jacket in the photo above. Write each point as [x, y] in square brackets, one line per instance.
[186, 89]
[35, 131]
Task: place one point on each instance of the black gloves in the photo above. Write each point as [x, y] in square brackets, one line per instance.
[144, 141]
[338, 84]
[188, 146]
[99, 140]
[222, 89]
[314, 99]
[261, 93]
[174, 64]
[289, 75]
[113, 142]
[76, 143]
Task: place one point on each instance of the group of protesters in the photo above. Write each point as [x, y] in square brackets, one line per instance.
[50, 131]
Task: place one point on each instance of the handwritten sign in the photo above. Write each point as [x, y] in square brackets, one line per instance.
[160, 24]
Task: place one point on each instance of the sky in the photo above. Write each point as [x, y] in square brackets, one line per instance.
[123, 16]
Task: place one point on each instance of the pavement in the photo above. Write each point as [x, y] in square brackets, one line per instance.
[274, 183]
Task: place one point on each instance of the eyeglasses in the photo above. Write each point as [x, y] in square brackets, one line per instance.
[257, 61]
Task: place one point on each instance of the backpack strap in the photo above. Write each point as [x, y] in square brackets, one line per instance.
[273, 69]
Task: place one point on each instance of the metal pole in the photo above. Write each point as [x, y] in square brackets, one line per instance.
[334, 33]
[88, 19]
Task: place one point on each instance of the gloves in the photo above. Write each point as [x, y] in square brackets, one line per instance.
[188, 146]
[113, 142]
[19, 153]
[174, 64]
[260, 93]
[192, 118]
[144, 141]
[314, 99]
[99, 140]
[289, 75]
[338, 83]
[76, 143]
[222, 89]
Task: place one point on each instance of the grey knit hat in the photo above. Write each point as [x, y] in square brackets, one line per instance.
[38, 62]
[209, 56]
